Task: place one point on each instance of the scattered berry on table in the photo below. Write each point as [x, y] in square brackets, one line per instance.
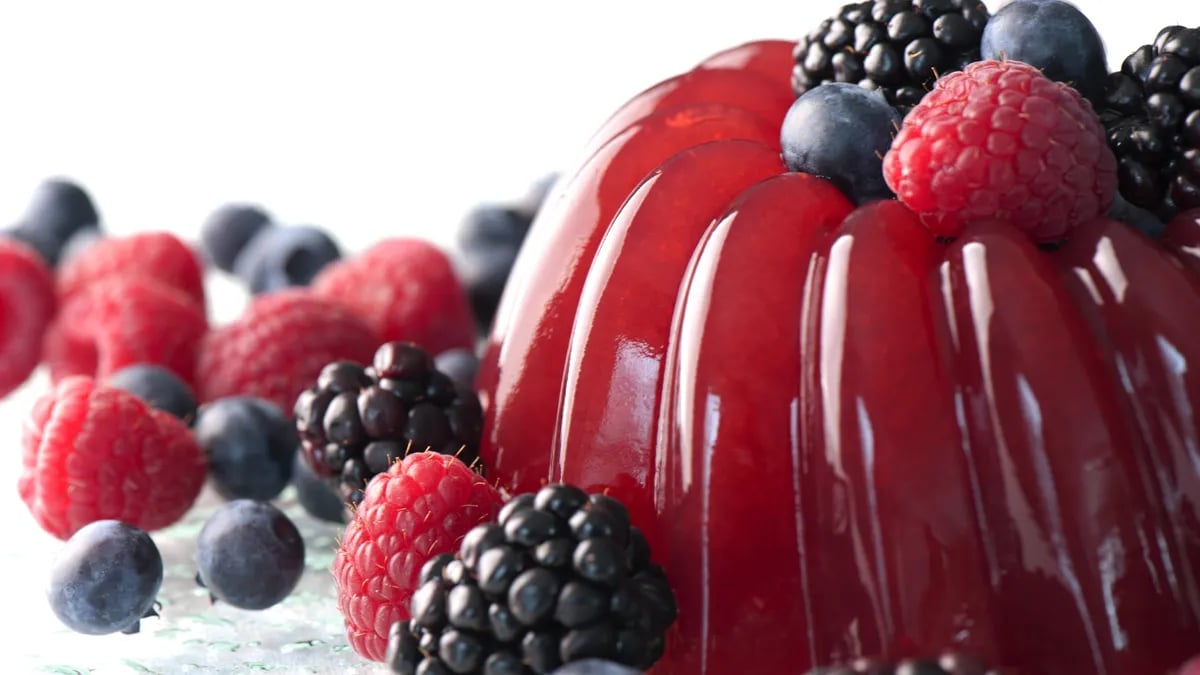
[841, 132]
[1052, 36]
[105, 579]
[315, 494]
[158, 387]
[249, 555]
[158, 256]
[357, 421]
[27, 306]
[227, 231]
[123, 321]
[460, 365]
[59, 208]
[92, 452]
[488, 241]
[250, 445]
[561, 576]
[285, 257]
[406, 290]
[278, 347]
[899, 47]
[420, 508]
[1152, 116]
[1001, 141]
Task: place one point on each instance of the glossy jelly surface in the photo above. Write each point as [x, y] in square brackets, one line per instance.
[842, 436]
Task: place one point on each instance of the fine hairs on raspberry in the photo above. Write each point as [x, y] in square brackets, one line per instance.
[1000, 141]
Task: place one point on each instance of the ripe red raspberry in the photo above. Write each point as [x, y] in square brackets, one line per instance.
[158, 255]
[27, 306]
[407, 291]
[420, 508]
[122, 321]
[999, 140]
[278, 347]
[92, 452]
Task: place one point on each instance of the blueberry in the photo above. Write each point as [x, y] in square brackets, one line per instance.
[249, 555]
[48, 248]
[1051, 35]
[841, 132]
[228, 230]
[315, 495]
[158, 387]
[105, 578]
[58, 210]
[1136, 217]
[283, 257]
[79, 242]
[250, 445]
[488, 241]
[484, 274]
[461, 365]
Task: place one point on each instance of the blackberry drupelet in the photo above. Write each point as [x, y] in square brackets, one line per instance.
[561, 577]
[357, 420]
[949, 663]
[1152, 117]
[899, 47]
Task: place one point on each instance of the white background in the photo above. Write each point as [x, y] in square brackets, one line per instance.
[370, 118]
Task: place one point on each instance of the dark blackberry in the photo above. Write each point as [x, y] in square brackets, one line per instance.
[562, 577]
[357, 420]
[949, 663]
[899, 47]
[1151, 112]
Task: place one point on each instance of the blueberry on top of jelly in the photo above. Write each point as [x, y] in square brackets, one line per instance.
[841, 132]
[1053, 36]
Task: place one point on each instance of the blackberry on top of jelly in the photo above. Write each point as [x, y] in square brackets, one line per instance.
[562, 576]
[899, 47]
[359, 419]
[1152, 116]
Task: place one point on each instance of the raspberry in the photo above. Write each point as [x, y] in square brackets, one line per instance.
[1001, 141]
[279, 346]
[26, 308]
[92, 452]
[158, 255]
[123, 321]
[421, 508]
[407, 290]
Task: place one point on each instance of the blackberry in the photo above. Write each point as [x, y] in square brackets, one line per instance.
[899, 47]
[949, 663]
[1151, 112]
[561, 577]
[357, 420]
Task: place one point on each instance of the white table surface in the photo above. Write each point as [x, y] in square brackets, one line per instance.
[372, 119]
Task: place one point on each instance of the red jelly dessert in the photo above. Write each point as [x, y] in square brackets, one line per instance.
[844, 433]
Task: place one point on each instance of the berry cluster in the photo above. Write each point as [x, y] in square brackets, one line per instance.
[899, 47]
[150, 401]
[1153, 121]
[561, 576]
[358, 420]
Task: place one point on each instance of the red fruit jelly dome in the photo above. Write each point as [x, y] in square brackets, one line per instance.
[843, 436]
